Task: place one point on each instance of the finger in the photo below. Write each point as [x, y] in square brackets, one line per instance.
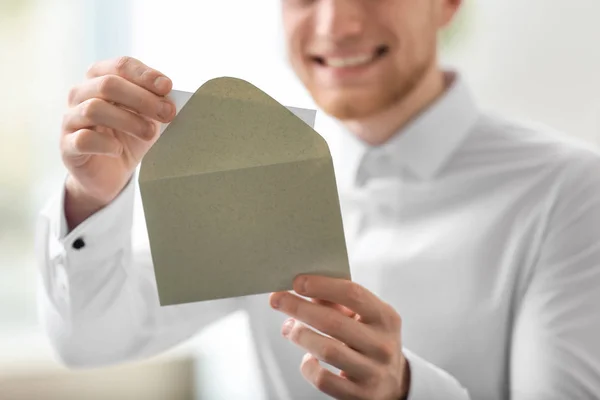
[134, 71]
[328, 382]
[338, 307]
[347, 293]
[115, 89]
[97, 112]
[329, 350]
[356, 335]
[90, 142]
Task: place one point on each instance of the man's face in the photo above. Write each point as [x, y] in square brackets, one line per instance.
[358, 57]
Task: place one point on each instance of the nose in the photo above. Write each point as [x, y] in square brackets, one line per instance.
[338, 20]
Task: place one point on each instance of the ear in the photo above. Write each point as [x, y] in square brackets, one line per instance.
[448, 9]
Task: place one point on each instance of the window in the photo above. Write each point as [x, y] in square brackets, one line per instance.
[46, 48]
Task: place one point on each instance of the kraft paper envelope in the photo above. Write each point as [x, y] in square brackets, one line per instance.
[239, 196]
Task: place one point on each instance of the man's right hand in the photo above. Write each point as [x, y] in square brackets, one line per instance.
[113, 119]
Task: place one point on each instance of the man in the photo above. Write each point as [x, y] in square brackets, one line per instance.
[473, 240]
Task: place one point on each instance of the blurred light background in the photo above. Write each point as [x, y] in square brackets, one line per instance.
[537, 60]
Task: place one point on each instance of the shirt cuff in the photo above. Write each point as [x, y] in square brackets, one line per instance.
[101, 235]
[428, 382]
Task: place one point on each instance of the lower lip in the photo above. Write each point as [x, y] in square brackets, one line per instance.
[348, 75]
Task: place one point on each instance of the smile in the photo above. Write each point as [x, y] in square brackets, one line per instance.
[351, 61]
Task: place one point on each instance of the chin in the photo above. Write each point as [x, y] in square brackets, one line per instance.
[355, 104]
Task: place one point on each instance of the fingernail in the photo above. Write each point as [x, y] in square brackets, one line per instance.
[301, 284]
[148, 131]
[161, 83]
[165, 109]
[287, 327]
[275, 301]
[151, 130]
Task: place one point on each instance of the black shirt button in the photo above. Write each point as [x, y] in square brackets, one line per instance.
[78, 244]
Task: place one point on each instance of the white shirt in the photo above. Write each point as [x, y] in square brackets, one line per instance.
[484, 234]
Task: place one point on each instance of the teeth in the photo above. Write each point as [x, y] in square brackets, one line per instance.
[349, 61]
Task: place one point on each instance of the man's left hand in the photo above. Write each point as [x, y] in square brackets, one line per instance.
[363, 338]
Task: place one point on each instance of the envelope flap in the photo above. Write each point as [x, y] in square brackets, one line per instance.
[229, 124]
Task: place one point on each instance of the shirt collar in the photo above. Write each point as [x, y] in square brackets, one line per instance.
[423, 146]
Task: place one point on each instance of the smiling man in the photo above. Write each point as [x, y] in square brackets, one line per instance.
[473, 240]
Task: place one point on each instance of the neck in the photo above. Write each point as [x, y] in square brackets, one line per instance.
[379, 128]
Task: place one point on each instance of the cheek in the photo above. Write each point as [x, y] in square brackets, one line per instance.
[296, 28]
[297, 59]
[297, 62]
[412, 25]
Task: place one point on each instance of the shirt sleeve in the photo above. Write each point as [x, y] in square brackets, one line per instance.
[556, 337]
[97, 297]
[429, 382]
